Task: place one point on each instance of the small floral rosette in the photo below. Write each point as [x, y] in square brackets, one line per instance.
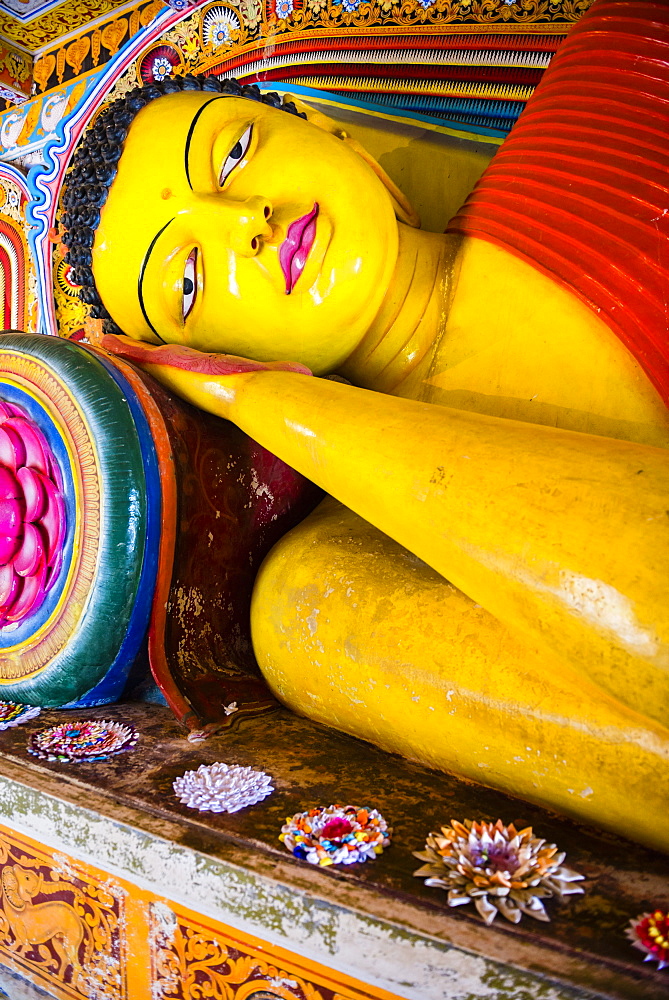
[497, 868]
[649, 932]
[82, 741]
[222, 787]
[14, 714]
[336, 835]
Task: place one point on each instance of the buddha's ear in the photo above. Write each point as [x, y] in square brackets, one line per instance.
[404, 210]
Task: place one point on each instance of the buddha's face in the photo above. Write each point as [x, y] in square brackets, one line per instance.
[235, 227]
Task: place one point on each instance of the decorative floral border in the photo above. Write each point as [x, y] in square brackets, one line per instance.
[190, 961]
[48, 27]
[93, 48]
[250, 21]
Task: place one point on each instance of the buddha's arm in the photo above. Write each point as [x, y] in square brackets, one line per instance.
[563, 535]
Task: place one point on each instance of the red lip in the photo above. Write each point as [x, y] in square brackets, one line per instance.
[294, 250]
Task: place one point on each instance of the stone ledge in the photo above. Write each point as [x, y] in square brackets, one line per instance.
[377, 923]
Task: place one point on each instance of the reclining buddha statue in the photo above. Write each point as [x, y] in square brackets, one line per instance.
[485, 588]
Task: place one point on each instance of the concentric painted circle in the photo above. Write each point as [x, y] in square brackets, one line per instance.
[65, 281]
[217, 24]
[79, 544]
[159, 63]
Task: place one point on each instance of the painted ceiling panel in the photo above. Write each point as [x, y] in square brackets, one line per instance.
[27, 10]
[39, 22]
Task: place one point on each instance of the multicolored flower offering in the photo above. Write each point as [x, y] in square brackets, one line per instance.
[649, 932]
[496, 867]
[336, 835]
[81, 741]
[13, 714]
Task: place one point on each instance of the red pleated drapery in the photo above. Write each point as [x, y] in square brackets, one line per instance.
[580, 189]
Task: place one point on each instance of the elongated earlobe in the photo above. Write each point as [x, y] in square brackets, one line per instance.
[404, 210]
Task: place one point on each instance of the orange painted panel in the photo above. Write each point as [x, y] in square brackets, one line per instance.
[196, 959]
[62, 925]
[84, 935]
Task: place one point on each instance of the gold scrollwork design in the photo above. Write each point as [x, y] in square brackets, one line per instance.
[71, 312]
[256, 25]
[58, 923]
[77, 52]
[190, 962]
[55, 22]
[11, 201]
[408, 13]
[43, 70]
[113, 34]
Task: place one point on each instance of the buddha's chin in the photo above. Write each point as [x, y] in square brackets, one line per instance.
[317, 325]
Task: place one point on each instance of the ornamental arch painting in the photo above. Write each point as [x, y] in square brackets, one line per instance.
[17, 269]
[12, 276]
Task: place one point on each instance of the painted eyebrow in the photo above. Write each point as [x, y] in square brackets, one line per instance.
[190, 135]
[142, 270]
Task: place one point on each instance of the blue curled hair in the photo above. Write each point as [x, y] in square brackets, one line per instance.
[95, 164]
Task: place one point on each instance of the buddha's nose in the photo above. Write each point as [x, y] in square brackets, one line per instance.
[244, 224]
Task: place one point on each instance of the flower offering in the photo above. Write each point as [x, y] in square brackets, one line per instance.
[497, 868]
[13, 714]
[82, 741]
[222, 787]
[649, 932]
[336, 835]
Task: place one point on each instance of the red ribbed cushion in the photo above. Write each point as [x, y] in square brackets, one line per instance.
[580, 189]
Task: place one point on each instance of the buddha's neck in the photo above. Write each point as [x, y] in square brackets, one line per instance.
[397, 350]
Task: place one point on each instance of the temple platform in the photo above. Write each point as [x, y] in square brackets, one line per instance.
[178, 904]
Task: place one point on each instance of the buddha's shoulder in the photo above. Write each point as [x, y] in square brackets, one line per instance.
[519, 345]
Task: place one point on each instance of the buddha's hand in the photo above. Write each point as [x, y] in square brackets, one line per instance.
[208, 381]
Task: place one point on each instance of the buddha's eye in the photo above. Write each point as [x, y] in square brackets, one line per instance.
[189, 287]
[237, 153]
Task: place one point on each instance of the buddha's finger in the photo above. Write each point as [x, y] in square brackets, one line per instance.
[188, 359]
